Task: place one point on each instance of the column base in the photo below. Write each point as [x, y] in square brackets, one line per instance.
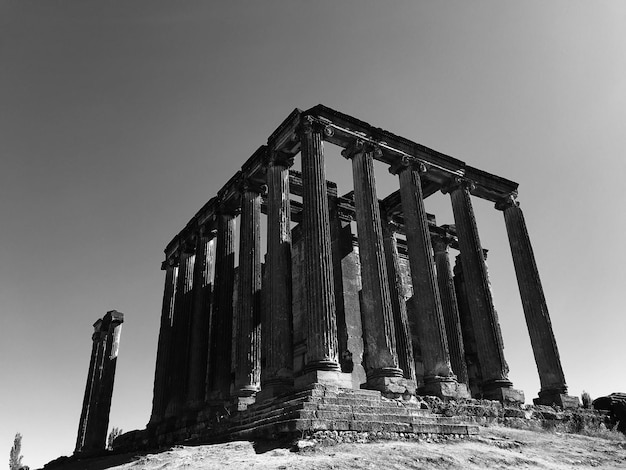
[503, 393]
[392, 387]
[323, 377]
[245, 397]
[445, 389]
[274, 388]
[557, 398]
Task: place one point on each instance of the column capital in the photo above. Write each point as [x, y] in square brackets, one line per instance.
[188, 245]
[457, 183]
[249, 185]
[279, 158]
[507, 202]
[405, 163]
[170, 262]
[360, 146]
[441, 241]
[207, 230]
[310, 124]
[226, 207]
[391, 225]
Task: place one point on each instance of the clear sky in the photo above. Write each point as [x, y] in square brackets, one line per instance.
[120, 119]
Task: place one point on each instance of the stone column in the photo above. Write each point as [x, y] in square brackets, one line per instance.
[159, 397]
[450, 307]
[474, 374]
[438, 376]
[200, 319]
[322, 348]
[277, 338]
[496, 384]
[181, 326]
[248, 352]
[218, 386]
[92, 386]
[404, 345]
[92, 432]
[381, 359]
[553, 386]
[112, 321]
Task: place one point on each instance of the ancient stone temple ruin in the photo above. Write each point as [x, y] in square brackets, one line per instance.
[334, 315]
[94, 417]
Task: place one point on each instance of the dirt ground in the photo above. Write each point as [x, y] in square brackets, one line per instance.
[493, 448]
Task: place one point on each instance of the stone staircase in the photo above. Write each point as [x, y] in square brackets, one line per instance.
[324, 408]
[317, 409]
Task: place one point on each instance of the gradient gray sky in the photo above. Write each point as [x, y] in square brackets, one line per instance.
[120, 119]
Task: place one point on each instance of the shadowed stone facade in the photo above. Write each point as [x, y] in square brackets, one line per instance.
[385, 311]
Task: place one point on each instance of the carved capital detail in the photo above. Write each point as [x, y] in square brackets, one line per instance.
[405, 163]
[441, 242]
[507, 202]
[457, 183]
[358, 147]
[252, 186]
[309, 125]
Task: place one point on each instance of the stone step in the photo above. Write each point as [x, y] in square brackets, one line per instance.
[299, 425]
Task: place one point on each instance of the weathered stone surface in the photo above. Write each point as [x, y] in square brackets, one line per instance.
[322, 347]
[450, 307]
[94, 419]
[378, 327]
[430, 323]
[248, 346]
[486, 327]
[160, 399]
[333, 304]
[404, 343]
[542, 339]
[277, 327]
[219, 379]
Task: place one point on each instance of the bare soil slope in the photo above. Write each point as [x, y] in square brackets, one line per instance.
[493, 448]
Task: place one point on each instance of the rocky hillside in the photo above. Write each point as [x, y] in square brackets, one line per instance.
[493, 448]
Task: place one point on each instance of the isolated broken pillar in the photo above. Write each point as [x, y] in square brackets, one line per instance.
[94, 418]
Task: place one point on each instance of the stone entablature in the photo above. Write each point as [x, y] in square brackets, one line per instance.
[328, 308]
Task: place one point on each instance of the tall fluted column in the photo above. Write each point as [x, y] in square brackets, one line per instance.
[218, 386]
[381, 359]
[91, 388]
[404, 344]
[200, 319]
[450, 307]
[179, 365]
[94, 420]
[438, 376]
[277, 338]
[322, 348]
[248, 352]
[490, 348]
[159, 398]
[553, 386]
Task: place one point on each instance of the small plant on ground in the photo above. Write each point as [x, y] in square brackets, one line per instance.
[115, 432]
[586, 399]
